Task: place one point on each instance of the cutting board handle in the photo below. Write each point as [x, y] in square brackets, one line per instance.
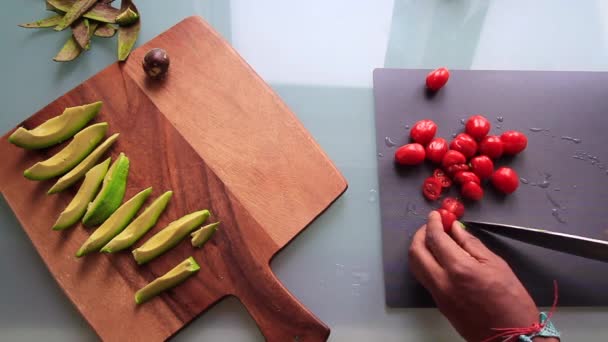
[281, 318]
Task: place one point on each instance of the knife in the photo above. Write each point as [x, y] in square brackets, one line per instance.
[571, 244]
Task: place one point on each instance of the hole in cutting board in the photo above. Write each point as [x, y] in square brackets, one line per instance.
[226, 321]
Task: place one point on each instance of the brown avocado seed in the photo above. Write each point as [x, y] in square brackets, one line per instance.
[156, 63]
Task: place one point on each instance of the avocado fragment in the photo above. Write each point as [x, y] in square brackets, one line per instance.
[74, 211]
[105, 30]
[79, 148]
[127, 35]
[170, 236]
[74, 12]
[111, 194]
[100, 12]
[140, 226]
[77, 172]
[167, 281]
[43, 23]
[127, 17]
[57, 129]
[200, 236]
[114, 224]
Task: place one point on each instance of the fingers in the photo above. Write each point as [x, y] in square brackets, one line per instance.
[423, 264]
[444, 248]
[470, 243]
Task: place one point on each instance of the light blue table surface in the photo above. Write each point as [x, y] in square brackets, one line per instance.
[319, 56]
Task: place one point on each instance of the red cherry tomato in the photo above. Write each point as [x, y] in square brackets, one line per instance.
[464, 144]
[436, 149]
[454, 206]
[423, 131]
[445, 180]
[431, 188]
[482, 166]
[466, 176]
[513, 142]
[452, 157]
[437, 78]
[410, 154]
[491, 146]
[447, 219]
[477, 126]
[453, 170]
[505, 180]
[472, 190]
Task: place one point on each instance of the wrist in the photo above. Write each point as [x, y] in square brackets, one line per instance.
[545, 339]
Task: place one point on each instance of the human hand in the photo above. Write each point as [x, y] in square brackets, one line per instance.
[474, 289]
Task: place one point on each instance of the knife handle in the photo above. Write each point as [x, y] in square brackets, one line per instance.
[282, 318]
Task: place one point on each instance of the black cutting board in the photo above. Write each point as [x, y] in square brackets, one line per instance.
[567, 178]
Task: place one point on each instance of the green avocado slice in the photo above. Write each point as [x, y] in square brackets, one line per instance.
[81, 145]
[111, 194]
[140, 226]
[57, 129]
[114, 224]
[200, 236]
[74, 211]
[81, 169]
[170, 236]
[167, 281]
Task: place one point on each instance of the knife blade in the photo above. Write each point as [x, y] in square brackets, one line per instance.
[567, 243]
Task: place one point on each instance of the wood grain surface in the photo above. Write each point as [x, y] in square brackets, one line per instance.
[215, 134]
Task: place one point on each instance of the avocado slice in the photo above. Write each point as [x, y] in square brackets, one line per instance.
[111, 194]
[203, 235]
[81, 169]
[170, 236]
[74, 211]
[57, 129]
[114, 224]
[83, 143]
[167, 281]
[140, 226]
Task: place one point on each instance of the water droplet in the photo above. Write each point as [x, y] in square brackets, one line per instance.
[545, 184]
[407, 126]
[557, 189]
[462, 121]
[601, 166]
[339, 270]
[574, 186]
[536, 129]
[411, 209]
[372, 195]
[579, 157]
[500, 119]
[574, 140]
[454, 135]
[553, 201]
[557, 216]
[524, 181]
[498, 126]
[380, 154]
[389, 142]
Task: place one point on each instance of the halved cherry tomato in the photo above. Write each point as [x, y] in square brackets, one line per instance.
[453, 170]
[447, 219]
[431, 188]
[466, 176]
[445, 180]
[477, 126]
[436, 149]
[464, 144]
[453, 205]
[410, 154]
[437, 78]
[505, 180]
[491, 146]
[514, 142]
[452, 157]
[472, 190]
[482, 166]
[423, 131]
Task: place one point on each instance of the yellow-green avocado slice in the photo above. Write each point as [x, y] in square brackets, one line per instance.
[74, 211]
[170, 236]
[167, 281]
[81, 169]
[140, 226]
[111, 194]
[57, 129]
[79, 148]
[201, 236]
[114, 224]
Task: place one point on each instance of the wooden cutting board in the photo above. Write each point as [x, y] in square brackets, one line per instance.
[220, 138]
